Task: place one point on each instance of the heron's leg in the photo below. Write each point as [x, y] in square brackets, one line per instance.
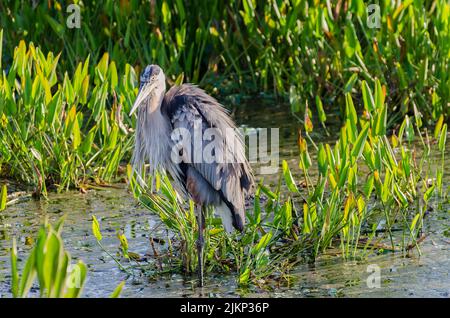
[200, 243]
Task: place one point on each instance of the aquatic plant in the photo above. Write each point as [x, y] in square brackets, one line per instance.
[314, 49]
[50, 263]
[367, 188]
[63, 132]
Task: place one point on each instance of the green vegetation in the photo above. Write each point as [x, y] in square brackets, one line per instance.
[64, 116]
[51, 264]
[65, 95]
[367, 183]
[63, 131]
[317, 48]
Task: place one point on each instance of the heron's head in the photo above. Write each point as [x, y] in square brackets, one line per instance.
[151, 89]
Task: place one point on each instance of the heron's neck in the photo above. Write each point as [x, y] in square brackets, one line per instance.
[152, 135]
[155, 102]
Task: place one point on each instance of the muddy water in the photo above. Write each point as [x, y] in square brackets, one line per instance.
[427, 275]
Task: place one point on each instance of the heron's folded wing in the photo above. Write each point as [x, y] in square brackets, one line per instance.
[188, 107]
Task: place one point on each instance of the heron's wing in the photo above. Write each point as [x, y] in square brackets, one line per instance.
[191, 110]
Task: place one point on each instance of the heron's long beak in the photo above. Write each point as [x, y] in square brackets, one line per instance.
[144, 92]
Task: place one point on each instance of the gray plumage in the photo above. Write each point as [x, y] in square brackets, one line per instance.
[223, 185]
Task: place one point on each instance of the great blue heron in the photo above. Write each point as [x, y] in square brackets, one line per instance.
[222, 183]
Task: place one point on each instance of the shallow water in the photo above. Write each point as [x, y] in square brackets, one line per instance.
[427, 275]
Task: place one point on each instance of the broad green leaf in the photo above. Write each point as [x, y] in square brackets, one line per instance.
[369, 103]
[368, 186]
[244, 276]
[443, 138]
[113, 75]
[1, 48]
[438, 126]
[3, 197]
[288, 178]
[166, 12]
[322, 160]
[381, 121]
[414, 222]
[320, 111]
[78, 278]
[28, 273]
[117, 290]
[428, 194]
[360, 142]
[76, 134]
[14, 269]
[265, 239]
[102, 67]
[96, 228]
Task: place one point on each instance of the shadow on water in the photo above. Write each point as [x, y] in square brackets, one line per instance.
[329, 276]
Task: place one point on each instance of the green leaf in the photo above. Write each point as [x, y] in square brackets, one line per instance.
[368, 186]
[165, 12]
[113, 75]
[14, 270]
[28, 274]
[380, 125]
[401, 196]
[438, 126]
[3, 197]
[263, 242]
[360, 142]
[1, 49]
[57, 27]
[428, 194]
[77, 277]
[96, 228]
[320, 111]
[179, 79]
[379, 97]
[369, 103]
[417, 116]
[88, 141]
[118, 290]
[123, 243]
[443, 138]
[102, 67]
[288, 178]
[244, 277]
[350, 83]
[322, 161]
[414, 222]
[76, 134]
